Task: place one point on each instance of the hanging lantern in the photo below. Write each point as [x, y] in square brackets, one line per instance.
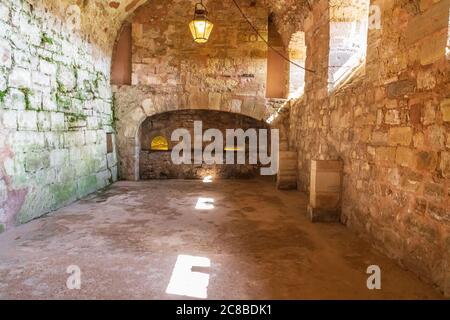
[200, 26]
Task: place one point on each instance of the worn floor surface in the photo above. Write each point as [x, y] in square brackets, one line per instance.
[126, 241]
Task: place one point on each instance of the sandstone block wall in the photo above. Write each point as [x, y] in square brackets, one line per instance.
[55, 111]
[389, 124]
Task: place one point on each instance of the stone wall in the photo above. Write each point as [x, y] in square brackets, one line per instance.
[158, 164]
[227, 73]
[171, 72]
[390, 124]
[55, 109]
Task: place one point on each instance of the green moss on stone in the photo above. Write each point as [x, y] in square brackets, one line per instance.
[87, 185]
[27, 93]
[63, 102]
[97, 80]
[80, 96]
[3, 95]
[114, 113]
[46, 59]
[74, 118]
[45, 39]
[63, 193]
[61, 87]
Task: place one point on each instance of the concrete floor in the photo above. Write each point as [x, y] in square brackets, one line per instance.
[126, 241]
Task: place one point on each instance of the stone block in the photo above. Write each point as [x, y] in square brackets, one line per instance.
[415, 114]
[148, 106]
[92, 123]
[426, 161]
[379, 138]
[49, 102]
[48, 68]
[325, 190]
[40, 79]
[435, 136]
[64, 192]
[27, 120]
[59, 157]
[214, 100]
[419, 140]
[86, 185]
[430, 21]
[25, 139]
[426, 80]
[91, 136]
[35, 161]
[385, 155]
[20, 78]
[54, 140]
[3, 85]
[5, 54]
[44, 122]
[405, 157]
[236, 105]
[429, 113]
[22, 59]
[66, 78]
[198, 100]
[433, 190]
[4, 12]
[10, 119]
[445, 110]
[392, 117]
[391, 104]
[393, 176]
[323, 215]
[74, 138]
[445, 164]
[438, 213]
[400, 136]
[400, 89]
[3, 192]
[103, 178]
[287, 170]
[432, 48]
[57, 121]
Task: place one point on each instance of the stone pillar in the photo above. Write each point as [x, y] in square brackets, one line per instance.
[325, 191]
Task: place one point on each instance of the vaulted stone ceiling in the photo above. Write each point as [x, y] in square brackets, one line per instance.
[102, 18]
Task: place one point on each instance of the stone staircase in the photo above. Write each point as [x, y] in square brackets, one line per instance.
[287, 170]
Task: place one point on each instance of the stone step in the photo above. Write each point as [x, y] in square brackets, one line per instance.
[287, 170]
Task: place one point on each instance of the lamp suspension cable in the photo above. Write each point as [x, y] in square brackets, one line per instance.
[267, 42]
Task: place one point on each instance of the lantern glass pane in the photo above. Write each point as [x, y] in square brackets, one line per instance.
[201, 30]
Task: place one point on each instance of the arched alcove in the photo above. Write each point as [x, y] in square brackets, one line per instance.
[158, 163]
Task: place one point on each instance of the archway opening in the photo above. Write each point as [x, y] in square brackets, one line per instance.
[204, 155]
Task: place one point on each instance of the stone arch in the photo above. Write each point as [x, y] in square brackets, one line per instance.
[146, 96]
[135, 104]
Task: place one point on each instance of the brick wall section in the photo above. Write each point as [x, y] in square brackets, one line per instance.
[158, 165]
[390, 125]
[55, 111]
